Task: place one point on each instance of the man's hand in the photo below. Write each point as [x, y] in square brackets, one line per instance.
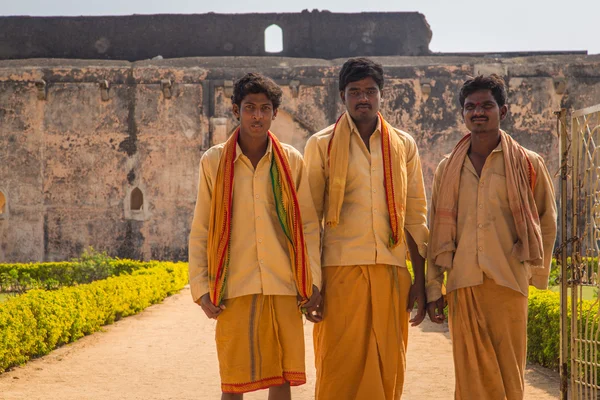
[417, 289]
[435, 309]
[417, 294]
[314, 307]
[209, 308]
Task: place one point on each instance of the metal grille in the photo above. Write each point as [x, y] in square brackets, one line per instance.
[581, 275]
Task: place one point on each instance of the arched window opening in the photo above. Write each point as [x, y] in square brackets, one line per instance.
[137, 199]
[273, 39]
[2, 203]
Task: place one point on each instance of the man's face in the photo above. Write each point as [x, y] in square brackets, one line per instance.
[481, 112]
[255, 114]
[362, 99]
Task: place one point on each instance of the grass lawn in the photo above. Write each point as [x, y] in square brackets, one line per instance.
[589, 292]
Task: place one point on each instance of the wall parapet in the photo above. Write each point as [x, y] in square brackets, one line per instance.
[312, 34]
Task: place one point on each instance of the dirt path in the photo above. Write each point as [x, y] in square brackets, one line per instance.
[168, 352]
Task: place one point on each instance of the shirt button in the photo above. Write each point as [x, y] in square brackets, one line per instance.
[480, 249]
[257, 196]
[259, 240]
[374, 169]
[480, 225]
[258, 217]
[374, 190]
[481, 206]
[262, 261]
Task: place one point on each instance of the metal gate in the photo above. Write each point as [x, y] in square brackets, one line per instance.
[579, 251]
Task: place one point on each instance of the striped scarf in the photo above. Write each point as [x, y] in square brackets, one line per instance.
[394, 169]
[288, 213]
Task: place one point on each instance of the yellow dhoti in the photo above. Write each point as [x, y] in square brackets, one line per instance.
[360, 347]
[488, 327]
[260, 343]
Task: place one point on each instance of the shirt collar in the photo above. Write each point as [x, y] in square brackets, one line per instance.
[469, 165]
[354, 129]
[238, 149]
[498, 148]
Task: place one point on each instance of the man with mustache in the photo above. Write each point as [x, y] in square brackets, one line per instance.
[367, 185]
[254, 249]
[492, 230]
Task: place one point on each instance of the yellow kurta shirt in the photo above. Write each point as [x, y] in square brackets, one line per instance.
[259, 261]
[486, 233]
[362, 235]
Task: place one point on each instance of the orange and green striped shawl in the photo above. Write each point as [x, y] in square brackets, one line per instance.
[394, 169]
[288, 212]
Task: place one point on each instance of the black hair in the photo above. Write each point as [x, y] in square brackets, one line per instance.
[356, 69]
[492, 82]
[253, 83]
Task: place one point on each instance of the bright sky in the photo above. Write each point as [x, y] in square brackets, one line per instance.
[457, 25]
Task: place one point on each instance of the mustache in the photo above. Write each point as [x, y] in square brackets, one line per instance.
[363, 105]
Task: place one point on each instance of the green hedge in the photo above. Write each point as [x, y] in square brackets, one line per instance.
[38, 321]
[53, 275]
[543, 329]
[35, 323]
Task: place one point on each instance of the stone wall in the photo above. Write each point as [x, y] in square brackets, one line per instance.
[77, 137]
[316, 34]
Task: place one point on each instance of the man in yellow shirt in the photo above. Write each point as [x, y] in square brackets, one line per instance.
[367, 185]
[254, 249]
[493, 227]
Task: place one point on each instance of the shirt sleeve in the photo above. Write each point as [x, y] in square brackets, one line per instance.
[416, 202]
[545, 202]
[198, 260]
[435, 274]
[315, 164]
[310, 222]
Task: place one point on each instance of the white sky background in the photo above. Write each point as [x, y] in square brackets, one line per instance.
[457, 25]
